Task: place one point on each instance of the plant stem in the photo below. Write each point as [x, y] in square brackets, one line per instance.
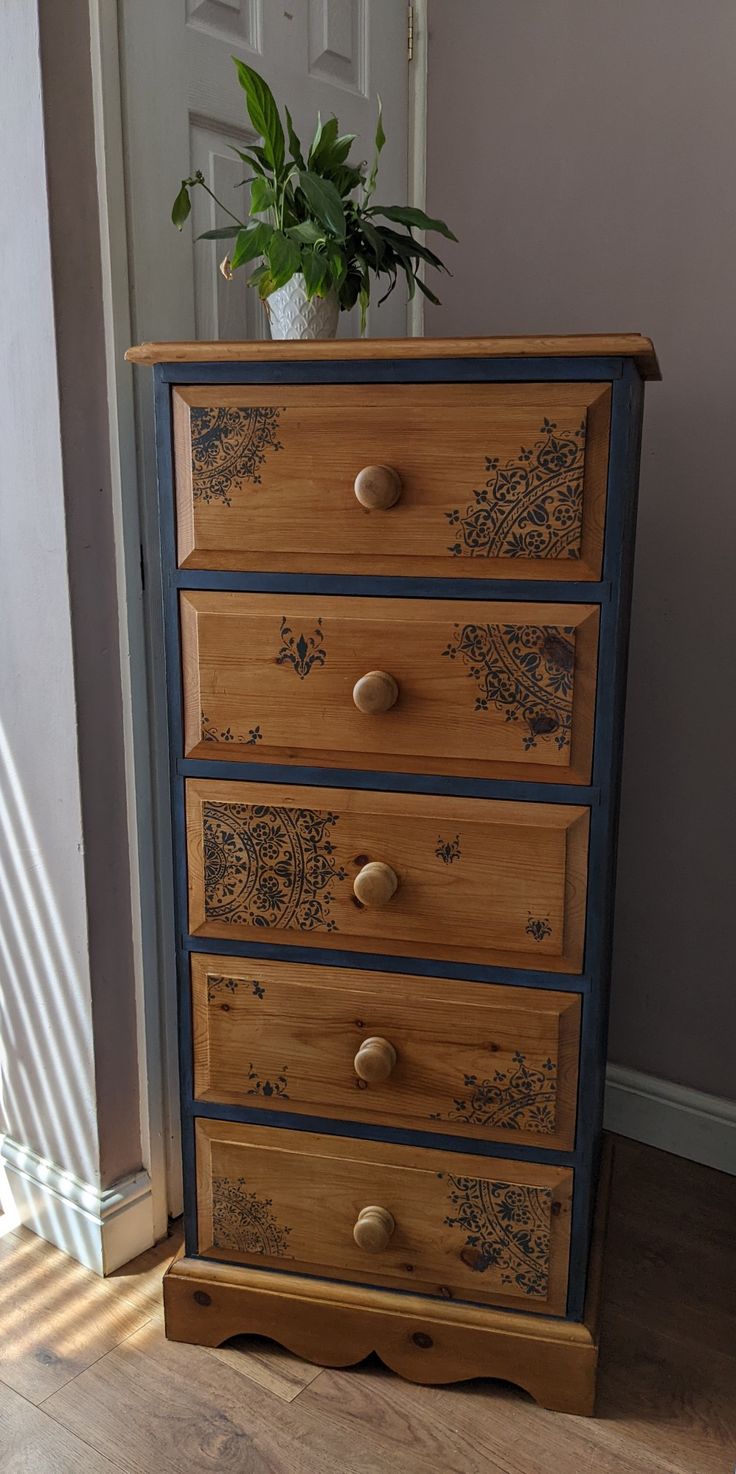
[237, 220]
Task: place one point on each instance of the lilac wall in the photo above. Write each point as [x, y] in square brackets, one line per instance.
[584, 154]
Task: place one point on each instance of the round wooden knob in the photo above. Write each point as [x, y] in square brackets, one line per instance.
[377, 487]
[374, 692]
[375, 1060]
[373, 1229]
[375, 884]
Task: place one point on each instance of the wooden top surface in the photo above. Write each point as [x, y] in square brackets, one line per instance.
[581, 345]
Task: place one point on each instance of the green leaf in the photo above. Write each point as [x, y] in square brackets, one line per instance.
[181, 207]
[251, 242]
[393, 273]
[375, 240]
[409, 215]
[257, 274]
[407, 246]
[316, 271]
[380, 140]
[262, 196]
[294, 142]
[223, 233]
[306, 232]
[424, 288]
[263, 113]
[266, 285]
[284, 257]
[342, 148]
[250, 159]
[323, 141]
[324, 202]
[338, 263]
[345, 178]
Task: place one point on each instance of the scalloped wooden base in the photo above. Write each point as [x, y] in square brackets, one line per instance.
[337, 1325]
[424, 1340]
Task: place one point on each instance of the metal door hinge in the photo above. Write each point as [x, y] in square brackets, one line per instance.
[410, 33]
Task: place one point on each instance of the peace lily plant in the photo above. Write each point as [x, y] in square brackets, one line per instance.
[312, 226]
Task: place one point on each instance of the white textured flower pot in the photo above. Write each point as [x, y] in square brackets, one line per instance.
[292, 315]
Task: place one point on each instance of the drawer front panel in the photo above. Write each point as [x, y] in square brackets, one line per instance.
[505, 480]
[469, 1060]
[475, 879]
[273, 678]
[472, 1228]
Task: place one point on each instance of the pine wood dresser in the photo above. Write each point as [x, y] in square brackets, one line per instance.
[396, 584]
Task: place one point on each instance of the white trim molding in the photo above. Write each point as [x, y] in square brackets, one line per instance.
[674, 1118]
[102, 1229]
[417, 141]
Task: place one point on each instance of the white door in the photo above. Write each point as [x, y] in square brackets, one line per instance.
[182, 106]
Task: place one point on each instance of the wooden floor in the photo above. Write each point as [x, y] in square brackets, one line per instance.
[89, 1384]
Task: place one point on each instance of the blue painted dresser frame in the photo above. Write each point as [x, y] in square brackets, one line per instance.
[612, 593]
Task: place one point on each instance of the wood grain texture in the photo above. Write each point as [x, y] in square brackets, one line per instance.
[424, 1341]
[55, 1316]
[480, 1229]
[268, 1365]
[267, 860]
[265, 478]
[31, 1442]
[165, 1408]
[285, 1035]
[169, 1408]
[587, 345]
[270, 678]
[665, 1403]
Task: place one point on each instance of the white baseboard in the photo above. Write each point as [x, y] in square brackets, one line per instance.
[102, 1229]
[687, 1122]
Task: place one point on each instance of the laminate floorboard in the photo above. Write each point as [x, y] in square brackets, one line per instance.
[111, 1394]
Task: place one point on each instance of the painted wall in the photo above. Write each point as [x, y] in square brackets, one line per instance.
[583, 153]
[68, 1061]
[46, 1031]
[82, 379]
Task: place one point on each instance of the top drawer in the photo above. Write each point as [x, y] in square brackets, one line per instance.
[512, 476]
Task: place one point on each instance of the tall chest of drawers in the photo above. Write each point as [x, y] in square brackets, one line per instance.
[396, 583]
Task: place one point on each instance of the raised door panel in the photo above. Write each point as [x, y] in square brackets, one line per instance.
[489, 1062]
[276, 678]
[472, 1228]
[478, 880]
[503, 480]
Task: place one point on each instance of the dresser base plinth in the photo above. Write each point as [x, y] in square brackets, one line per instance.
[337, 1325]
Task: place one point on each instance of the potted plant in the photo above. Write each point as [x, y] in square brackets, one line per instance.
[312, 225]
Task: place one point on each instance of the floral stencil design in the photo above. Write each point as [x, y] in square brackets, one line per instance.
[538, 927]
[530, 507]
[448, 850]
[269, 866]
[303, 652]
[507, 1227]
[229, 446]
[243, 1221]
[218, 985]
[210, 733]
[518, 1098]
[269, 1088]
[523, 670]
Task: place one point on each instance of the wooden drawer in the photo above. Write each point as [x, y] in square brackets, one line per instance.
[469, 1059]
[478, 879]
[505, 480]
[272, 678]
[465, 1227]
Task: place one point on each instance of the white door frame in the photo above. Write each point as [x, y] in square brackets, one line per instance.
[157, 1047]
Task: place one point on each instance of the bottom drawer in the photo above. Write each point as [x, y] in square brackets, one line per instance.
[474, 1228]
